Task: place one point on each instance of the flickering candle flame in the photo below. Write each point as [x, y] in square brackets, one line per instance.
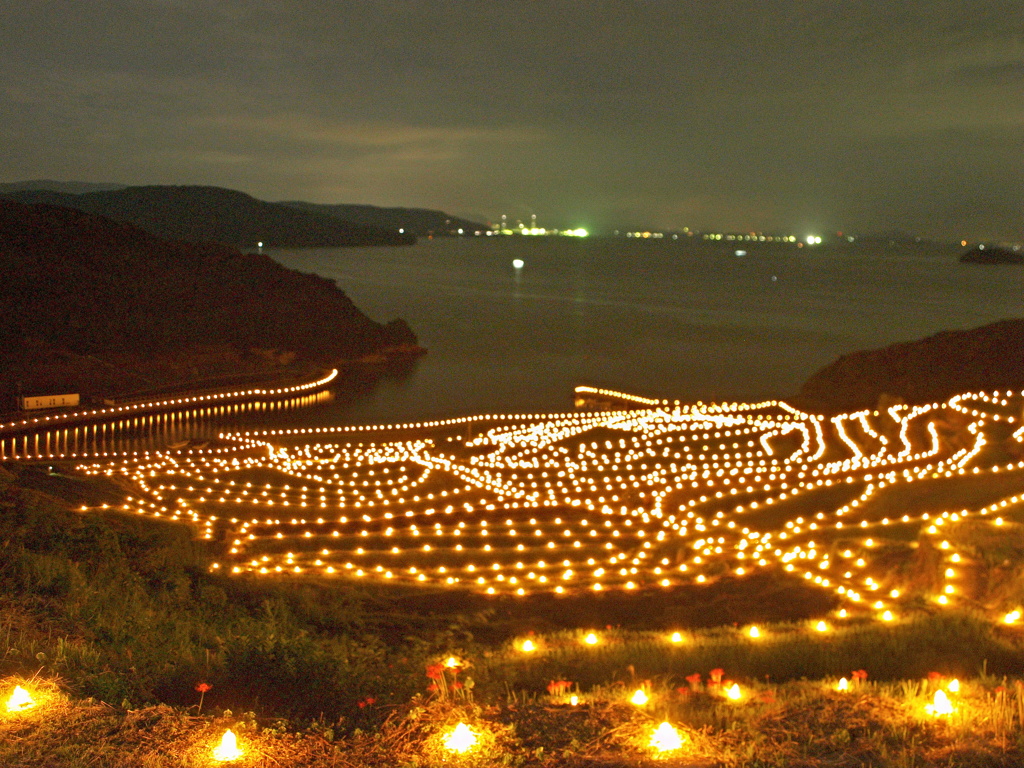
[20, 700]
[733, 692]
[821, 626]
[843, 685]
[940, 705]
[590, 639]
[754, 632]
[639, 697]
[451, 662]
[954, 686]
[228, 749]
[460, 739]
[574, 700]
[677, 637]
[666, 738]
[1012, 617]
[529, 646]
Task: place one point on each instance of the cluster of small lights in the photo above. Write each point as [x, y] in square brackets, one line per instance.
[655, 496]
[51, 436]
[754, 237]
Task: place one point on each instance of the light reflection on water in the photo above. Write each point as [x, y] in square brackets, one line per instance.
[656, 318]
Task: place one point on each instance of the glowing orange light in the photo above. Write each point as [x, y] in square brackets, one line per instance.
[460, 739]
[639, 697]
[228, 749]
[941, 705]
[20, 700]
[666, 738]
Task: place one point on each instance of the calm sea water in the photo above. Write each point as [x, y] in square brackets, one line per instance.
[687, 322]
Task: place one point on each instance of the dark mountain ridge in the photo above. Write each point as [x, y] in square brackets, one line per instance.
[929, 370]
[48, 185]
[992, 254]
[212, 214]
[83, 293]
[422, 222]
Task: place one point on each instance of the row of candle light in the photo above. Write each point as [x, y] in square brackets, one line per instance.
[176, 403]
[587, 500]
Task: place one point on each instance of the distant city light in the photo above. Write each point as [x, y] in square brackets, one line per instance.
[518, 263]
[813, 240]
[533, 230]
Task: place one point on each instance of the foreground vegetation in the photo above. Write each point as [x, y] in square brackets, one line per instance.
[797, 723]
[138, 655]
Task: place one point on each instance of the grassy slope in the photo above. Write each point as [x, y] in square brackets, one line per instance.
[121, 610]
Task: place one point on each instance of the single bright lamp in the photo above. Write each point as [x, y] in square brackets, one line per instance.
[228, 749]
[529, 646]
[590, 639]
[20, 700]
[843, 684]
[639, 697]
[941, 705]
[734, 692]
[666, 738]
[460, 739]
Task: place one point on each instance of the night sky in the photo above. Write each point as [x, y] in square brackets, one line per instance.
[777, 115]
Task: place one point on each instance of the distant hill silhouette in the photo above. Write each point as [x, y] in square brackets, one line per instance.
[421, 222]
[992, 254]
[929, 370]
[67, 187]
[93, 304]
[212, 214]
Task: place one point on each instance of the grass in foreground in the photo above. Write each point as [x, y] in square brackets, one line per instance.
[800, 723]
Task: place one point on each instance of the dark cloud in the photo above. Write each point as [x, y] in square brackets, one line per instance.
[741, 114]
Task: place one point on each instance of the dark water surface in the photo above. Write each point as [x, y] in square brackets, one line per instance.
[688, 322]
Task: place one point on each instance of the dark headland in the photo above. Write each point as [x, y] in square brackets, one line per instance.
[213, 214]
[216, 215]
[928, 370]
[101, 307]
[992, 254]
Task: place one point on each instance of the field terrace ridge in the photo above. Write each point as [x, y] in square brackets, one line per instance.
[647, 498]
